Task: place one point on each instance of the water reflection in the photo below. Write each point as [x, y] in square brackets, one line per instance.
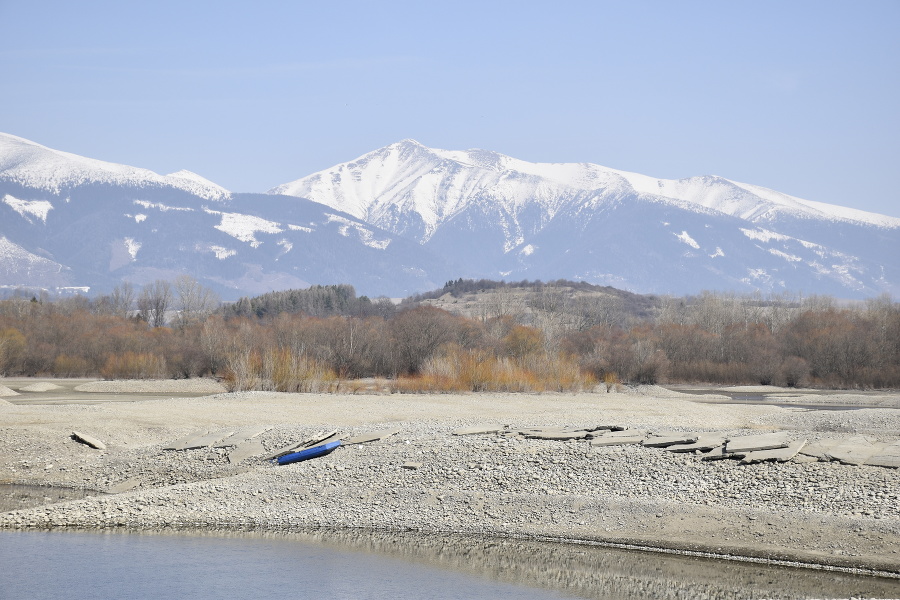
[587, 571]
[599, 572]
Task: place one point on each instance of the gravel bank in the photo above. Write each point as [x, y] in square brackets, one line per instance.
[153, 386]
[823, 513]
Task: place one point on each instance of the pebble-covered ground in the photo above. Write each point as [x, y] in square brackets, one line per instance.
[426, 479]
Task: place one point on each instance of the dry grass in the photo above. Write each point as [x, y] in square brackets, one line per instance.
[457, 370]
[277, 370]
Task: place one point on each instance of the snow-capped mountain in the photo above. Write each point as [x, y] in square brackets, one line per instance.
[407, 218]
[37, 167]
[498, 216]
[70, 221]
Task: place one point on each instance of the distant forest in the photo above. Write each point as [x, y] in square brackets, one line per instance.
[525, 336]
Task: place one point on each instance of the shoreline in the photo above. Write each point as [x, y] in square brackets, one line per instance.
[786, 559]
[826, 515]
[584, 569]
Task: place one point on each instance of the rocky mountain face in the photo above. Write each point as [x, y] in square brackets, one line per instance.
[496, 216]
[407, 218]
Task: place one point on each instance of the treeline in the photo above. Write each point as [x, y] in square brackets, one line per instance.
[315, 301]
[639, 305]
[324, 337]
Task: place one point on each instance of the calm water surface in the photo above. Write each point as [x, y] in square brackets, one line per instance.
[367, 565]
[96, 565]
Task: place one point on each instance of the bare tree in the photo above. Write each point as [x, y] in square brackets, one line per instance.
[122, 299]
[194, 301]
[154, 301]
[117, 303]
[503, 302]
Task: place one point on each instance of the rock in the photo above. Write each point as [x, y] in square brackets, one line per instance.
[626, 433]
[855, 450]
[775, 454]
[889, 456]
[180, 444]
[241, 435]
[606, 427]
[205, 441]
[752, 443]
[479, 430]
[555, 435]
[615, 440]
[820, 448]
[88, 440]
[373, 436]
[661, 441]
[720, 453]
[246, 449]
[704, 443]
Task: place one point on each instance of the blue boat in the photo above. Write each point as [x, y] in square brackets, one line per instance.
[314, 452]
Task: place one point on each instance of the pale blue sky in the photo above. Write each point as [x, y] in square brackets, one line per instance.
[799, 96]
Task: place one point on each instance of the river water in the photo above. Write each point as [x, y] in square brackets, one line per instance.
[367, 565]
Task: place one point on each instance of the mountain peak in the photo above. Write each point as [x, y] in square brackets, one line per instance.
[32, 165]
[194, 177]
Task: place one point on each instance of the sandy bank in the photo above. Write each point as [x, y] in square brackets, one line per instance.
[153, 386]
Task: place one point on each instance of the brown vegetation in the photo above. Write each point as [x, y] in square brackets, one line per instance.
[528, 340]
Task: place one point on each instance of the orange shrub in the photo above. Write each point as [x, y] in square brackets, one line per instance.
[134, 365]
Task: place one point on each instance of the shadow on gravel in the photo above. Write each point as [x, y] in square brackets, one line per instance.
[17, 497]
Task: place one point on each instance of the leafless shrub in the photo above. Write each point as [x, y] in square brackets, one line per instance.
[278, 370]
[134, 365]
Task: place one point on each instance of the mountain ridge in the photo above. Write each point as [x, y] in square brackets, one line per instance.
[710, 191]
[504, 217]
[72, 222]
[33, 165]
[405, 217]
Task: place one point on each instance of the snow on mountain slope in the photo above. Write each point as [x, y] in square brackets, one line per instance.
[411, 190]
[29, 208]
[35, 166]
[386, 187]
[18, 264]
[69, 222]
[820, 209]
[499, 216]
[405, 218]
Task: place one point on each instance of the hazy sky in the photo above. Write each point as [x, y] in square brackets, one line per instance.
[799, 96]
